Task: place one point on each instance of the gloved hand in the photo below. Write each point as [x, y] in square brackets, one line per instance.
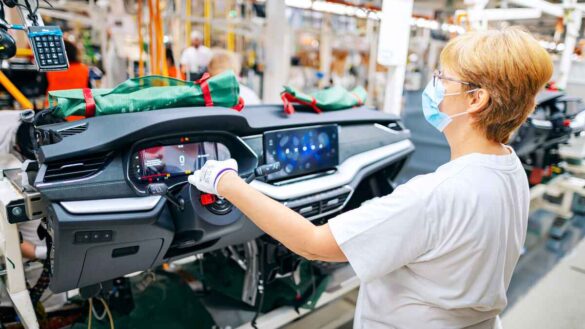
[207, 178]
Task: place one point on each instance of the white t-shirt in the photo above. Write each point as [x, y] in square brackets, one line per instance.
[196, 59]
[439, 251]
[249, 96]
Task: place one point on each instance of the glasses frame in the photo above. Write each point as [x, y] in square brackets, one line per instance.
[438, 74]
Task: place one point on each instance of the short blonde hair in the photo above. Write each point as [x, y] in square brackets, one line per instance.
[223, 60]
[511, 65]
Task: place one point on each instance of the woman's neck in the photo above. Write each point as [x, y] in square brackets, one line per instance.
[470, 141]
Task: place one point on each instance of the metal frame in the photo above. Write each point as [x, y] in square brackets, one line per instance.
[12, 257]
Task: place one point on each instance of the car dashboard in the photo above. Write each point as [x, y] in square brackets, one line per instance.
[101, 180]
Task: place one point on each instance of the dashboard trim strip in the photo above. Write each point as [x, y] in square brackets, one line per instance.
[344, 175]
[102, 206]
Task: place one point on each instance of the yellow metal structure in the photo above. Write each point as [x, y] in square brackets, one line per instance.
[231, 38]
[24, 52]
[11, 88]
[207, 26]
[152, 38]
[160, 45]
[140, 39]
[188, 23]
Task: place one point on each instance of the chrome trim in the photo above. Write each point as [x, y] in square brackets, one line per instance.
[244, 138]
[102, 206]
[386, 129]
[344, 175]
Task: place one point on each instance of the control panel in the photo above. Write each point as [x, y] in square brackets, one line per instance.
[48, 47]
[94, 236]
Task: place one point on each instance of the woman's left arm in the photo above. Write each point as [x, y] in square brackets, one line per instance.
[291, 229]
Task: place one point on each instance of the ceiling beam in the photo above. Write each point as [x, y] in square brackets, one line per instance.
[544, 6]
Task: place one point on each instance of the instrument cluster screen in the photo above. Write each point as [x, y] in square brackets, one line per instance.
[302, 151]
[158, 163]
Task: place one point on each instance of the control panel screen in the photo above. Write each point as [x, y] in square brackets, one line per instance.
[157, 163]
[302, 151]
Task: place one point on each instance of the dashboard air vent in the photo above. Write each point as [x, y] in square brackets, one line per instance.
[396, 126]
[320, 204]
[73, 130]
[308, 210]
[77, 168]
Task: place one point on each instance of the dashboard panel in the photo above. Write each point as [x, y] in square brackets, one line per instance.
[101, 168]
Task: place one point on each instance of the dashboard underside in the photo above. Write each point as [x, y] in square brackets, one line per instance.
[102, 180]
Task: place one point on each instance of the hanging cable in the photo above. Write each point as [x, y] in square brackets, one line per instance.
[261, 282]
[109, 312]
[99, 317]
[90, 316]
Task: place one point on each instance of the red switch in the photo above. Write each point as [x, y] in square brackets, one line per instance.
[207, 199]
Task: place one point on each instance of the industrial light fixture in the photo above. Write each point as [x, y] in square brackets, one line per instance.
[354, 11]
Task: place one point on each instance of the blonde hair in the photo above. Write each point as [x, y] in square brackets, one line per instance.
[510, 65]
[223, 60]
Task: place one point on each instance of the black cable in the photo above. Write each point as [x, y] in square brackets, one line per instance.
[261, 287]
[32, 14]
[2, 12]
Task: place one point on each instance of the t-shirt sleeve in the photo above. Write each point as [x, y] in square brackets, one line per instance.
[384, 234]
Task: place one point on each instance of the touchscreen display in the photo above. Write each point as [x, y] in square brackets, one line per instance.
[162, 162]
[302, 151]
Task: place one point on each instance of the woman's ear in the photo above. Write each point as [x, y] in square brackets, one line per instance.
[478, 101]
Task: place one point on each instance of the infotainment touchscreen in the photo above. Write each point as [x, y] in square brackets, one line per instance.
[302, 151]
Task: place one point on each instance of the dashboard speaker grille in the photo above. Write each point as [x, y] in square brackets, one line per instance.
[73, 130]
[76, 168]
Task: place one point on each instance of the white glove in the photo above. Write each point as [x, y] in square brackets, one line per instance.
[41, 252]
[207, 178]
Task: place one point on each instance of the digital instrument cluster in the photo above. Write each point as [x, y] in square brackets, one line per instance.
[302, 151]
[168, 162]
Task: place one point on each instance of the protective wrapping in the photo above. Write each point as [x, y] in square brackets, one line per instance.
[147, 94]
[330, 99]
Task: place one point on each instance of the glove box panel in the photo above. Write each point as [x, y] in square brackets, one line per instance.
[121, 259]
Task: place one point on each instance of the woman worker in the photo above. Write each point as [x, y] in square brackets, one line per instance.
[440, 250]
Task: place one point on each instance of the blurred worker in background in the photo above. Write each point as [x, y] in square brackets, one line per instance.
[194, 59]
[77, 76]
[173, 72]
[223, 60]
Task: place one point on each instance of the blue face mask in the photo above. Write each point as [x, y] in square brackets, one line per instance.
[432, 96]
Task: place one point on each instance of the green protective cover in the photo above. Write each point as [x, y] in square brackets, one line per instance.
[331, 99]
[147, 94]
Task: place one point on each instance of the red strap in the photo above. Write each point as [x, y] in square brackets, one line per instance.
[360, 101]
[89, 103]
[240, 106]
[287, 99]
[288, 107]
[205, 89]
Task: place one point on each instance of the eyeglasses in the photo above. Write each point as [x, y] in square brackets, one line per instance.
[438, 75]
